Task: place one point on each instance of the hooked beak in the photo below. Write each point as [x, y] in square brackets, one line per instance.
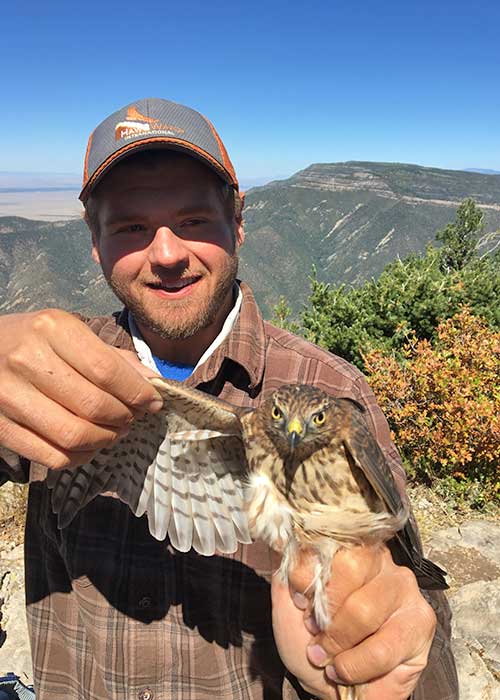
[295, 432]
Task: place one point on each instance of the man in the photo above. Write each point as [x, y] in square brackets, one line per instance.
[112, 612]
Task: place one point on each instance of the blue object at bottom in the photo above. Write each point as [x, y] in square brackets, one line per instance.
[11, 688]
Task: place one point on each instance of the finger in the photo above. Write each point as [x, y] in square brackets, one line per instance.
[291, 639]
[92, 358]
[115, 375]
[28, 444]
[54, 423]
[61, 383]
[365, 610]
[134, 361]
[301, 574]
[405, 637]
[351, 569]
[399, 684]
[300, 579]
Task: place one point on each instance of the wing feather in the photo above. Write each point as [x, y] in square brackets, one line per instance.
[225, 539]
[180, 530]
[182, 467]
[368, 456]
[203, 525]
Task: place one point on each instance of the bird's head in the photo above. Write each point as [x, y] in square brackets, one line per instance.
[298, 419]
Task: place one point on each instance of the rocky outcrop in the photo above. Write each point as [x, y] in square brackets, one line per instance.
[469, 552]
[471, 555]
[476, 641]
[15, 652]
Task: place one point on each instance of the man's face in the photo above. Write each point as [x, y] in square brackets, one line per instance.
[167, 245]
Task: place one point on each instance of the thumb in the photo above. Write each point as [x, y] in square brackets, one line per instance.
[133, 360]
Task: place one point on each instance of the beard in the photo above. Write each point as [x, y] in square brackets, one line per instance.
[180, 318]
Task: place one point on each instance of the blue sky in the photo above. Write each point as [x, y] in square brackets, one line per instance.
[286, 84]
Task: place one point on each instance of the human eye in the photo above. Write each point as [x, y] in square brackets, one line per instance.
[130, 228]
[194, 221]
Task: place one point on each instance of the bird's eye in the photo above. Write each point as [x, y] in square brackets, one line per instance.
[319, 418]
[276, 413]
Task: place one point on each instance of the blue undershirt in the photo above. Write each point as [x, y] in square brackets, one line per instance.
[173, 370]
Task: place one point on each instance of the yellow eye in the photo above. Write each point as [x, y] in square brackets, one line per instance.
[319, 418]
[276, 413]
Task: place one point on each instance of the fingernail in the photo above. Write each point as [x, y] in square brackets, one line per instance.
[332, 674]
[155, 405]
[300, 601]
[311, 625]
[316, 654]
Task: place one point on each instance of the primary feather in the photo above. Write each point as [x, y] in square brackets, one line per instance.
[183, 467]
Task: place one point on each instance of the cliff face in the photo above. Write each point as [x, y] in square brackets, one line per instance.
[349, 219]
[400, 180]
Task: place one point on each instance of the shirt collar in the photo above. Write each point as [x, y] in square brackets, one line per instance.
[245, 345]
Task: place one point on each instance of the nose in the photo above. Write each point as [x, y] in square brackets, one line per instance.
[167, 249]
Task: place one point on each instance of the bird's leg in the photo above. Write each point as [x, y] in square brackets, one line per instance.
[288, 559]
[322, 572]
[350, 692]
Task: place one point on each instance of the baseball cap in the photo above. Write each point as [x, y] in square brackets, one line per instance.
[153, 123]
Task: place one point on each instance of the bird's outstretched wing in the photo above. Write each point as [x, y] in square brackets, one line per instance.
[183, 467]
[367, 455]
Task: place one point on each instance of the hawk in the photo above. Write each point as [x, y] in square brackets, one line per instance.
[301, 470]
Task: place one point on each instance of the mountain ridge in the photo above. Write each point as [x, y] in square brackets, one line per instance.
[348, 219]
[351, 219]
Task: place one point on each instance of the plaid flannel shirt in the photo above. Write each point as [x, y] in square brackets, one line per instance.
[114, 614]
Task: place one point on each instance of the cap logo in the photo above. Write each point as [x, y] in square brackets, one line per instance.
[136, 124]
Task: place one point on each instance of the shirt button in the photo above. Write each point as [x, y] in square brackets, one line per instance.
[143, 604]
[146, 694]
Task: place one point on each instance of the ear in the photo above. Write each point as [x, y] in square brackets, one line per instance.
[239, 232]
[96, 257]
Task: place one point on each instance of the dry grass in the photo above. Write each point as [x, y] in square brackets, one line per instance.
[435, 511]
[13, 498]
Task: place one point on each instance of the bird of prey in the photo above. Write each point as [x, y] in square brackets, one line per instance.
[301, 470]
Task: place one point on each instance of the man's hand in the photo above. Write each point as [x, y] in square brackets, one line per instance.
[64, 393]
[381, 630]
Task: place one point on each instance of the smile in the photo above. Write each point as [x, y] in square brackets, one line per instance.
[176, 288]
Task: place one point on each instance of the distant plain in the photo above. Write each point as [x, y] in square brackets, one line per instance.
[54, 196]
[41, 205]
